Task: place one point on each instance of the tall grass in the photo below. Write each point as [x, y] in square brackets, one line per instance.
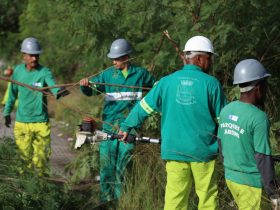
[23, 191]
[145, 181]
[29, 192]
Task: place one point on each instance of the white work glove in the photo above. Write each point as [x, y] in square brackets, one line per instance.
[275, 200]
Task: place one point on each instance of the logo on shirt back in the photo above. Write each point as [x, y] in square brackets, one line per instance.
[185, 91]
[232, 128]
[233, 117]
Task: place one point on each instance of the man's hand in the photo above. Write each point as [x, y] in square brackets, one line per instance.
[275, 200]
[124, 135]
[7, 121]
[84, 82]
[62, 92]
[8, 72]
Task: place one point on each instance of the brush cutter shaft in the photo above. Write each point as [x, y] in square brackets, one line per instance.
[132, 138]
[129, 139]
[150, 140]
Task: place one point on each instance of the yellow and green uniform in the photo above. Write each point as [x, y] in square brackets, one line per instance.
[114, 156]
[32, 133]
[189, 101]
[244, 134]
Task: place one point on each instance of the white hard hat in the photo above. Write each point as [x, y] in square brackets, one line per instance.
[199, 44]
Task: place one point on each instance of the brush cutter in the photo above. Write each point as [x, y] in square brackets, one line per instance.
[88, 134]
[84, 137]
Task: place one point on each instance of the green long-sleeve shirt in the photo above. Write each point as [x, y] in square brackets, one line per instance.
[32, 105]
[189, 101]
[119, 100]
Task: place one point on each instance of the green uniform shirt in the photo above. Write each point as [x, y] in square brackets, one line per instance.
[190, 101]
[32, 105]
[119, 100]
[243, 130]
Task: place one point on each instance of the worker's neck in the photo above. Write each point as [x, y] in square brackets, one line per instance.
[31, 67]
[248, 98]
[194, 62]
[125, 67]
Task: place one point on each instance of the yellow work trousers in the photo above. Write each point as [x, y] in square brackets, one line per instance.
[180, 178]
[246, 197]
[33, 141]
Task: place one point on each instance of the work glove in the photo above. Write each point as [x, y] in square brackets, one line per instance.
[62, 92]
[8, 121]
[275, 200]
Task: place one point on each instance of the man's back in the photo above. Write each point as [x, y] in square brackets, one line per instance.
[243, 131]
[189, 101]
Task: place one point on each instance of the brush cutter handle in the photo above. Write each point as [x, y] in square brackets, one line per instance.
[131, 138]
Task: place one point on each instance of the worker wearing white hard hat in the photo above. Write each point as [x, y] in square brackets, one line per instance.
[190, 102]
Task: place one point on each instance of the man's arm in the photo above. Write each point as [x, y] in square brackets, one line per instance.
[266, 167]
[85, 87]
[218, 100]
[149, 105]
[135, 118]
[49, 80]
[89, 88]
[263, 157]
[12, 96]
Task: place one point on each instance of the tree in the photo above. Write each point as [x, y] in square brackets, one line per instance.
[10, 11]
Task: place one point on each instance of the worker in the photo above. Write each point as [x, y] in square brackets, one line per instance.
[244, 134]
[189, 101]
[31, 129]
[115, 155]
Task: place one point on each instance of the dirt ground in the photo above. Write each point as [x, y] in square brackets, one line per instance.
[62, 152]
